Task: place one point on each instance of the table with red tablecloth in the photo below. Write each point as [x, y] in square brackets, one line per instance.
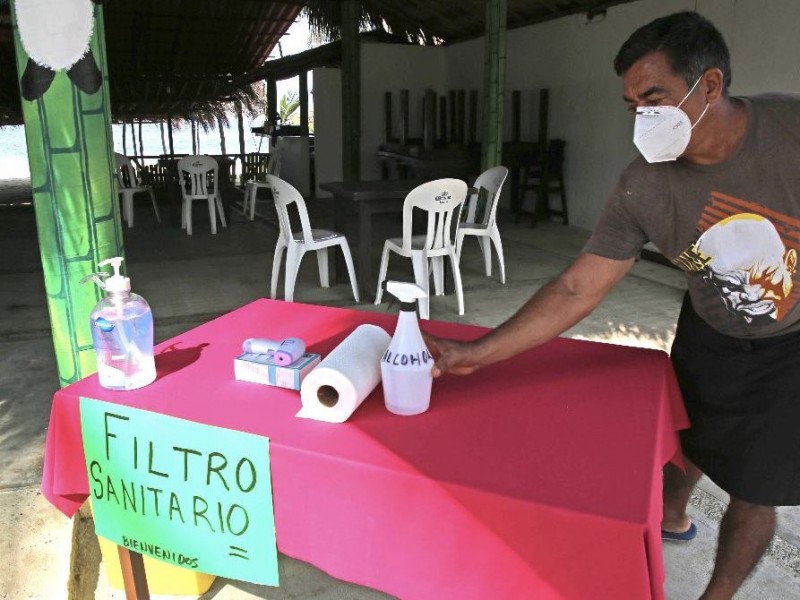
[538, 477]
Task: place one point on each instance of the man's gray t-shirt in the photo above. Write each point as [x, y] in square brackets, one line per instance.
[732, 227]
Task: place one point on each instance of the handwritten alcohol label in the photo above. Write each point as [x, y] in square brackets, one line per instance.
[407, 359]
[193, 495]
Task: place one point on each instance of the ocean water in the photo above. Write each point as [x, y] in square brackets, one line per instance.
[13, 150]
[14, 153]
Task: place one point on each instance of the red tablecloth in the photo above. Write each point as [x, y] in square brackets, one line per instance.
[538, 477]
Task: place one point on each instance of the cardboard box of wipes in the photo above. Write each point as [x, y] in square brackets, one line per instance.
[259, 368]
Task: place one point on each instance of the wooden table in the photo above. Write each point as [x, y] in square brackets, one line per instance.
[364, 199]
[415, 162]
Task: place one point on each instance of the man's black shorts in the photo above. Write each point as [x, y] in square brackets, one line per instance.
[743, 401]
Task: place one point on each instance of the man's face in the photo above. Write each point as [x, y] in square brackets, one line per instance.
[651, 82]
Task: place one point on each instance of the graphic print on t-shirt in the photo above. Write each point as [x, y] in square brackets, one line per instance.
[749, 254]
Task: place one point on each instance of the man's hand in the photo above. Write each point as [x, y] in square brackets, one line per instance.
[553, 309]
[458, 358]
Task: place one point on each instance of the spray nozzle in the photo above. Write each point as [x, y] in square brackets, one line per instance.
[407, 293]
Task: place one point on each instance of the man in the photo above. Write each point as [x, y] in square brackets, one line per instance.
[706, 157]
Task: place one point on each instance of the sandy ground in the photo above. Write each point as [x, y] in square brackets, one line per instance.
[33, 533]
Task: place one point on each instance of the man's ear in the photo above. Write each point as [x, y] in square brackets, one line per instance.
[714, 84]
[790, 260]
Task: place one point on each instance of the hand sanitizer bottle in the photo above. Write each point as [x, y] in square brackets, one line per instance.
[406, 364]
[122, 331]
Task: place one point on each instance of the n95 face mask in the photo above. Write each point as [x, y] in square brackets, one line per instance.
[662, 133]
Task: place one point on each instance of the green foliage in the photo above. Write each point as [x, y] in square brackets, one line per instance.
[289, 105]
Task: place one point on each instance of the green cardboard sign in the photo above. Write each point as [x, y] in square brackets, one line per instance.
[193, 495]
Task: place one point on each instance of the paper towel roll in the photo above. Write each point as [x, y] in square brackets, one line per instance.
[338, 385]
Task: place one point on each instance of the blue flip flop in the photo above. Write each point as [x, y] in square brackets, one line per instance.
[684, 536]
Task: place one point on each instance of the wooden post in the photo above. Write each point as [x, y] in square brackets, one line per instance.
[473, 117]
[133, 139]
[169, 136]
[544, 101]
[387, 117]
[461, 112]
[163, 141]
[272, 111]
[240, 128]
[124, 138]
[141, 143]
[221, 128]
[303, 103]
[351, 90]
[194, 136]
[403, 117]
[494, 71]
[443, 120]
[134, 577]
[171, 176]
[428, 119]
[541, 208]
[451, 102]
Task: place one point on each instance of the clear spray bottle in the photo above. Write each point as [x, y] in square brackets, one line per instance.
[122, 332]
[406, 364]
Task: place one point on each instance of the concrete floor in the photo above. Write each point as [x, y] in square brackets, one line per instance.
[189, 280]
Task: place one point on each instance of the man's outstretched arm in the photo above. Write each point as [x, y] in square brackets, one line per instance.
[550, 311]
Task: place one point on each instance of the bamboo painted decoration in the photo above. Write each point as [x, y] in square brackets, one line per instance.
[61, 62]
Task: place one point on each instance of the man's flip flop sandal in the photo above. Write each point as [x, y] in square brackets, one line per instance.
[685, 536]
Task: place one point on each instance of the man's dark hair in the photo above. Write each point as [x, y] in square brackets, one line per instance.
[690, 41]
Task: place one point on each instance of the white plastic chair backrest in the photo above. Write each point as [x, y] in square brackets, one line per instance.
[439, 198]
[123, 162]
[492, 181]
[284, 194]
[193, 171]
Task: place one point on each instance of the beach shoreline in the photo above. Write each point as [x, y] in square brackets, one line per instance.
[14, 167]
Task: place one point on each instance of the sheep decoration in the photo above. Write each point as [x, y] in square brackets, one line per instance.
[56, 35]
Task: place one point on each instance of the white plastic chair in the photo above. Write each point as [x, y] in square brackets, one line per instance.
[297, 244]
[484, 228]
[129, 185]
[440, 199]
[251, 187]
[193, 176]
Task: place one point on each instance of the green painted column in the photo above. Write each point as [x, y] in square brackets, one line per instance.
[70, 152]
[494, 78]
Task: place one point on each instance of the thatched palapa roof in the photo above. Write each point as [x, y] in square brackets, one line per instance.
[188, 58]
